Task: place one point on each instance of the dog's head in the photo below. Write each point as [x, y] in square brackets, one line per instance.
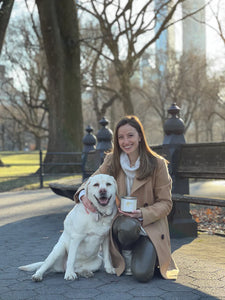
[101, 191]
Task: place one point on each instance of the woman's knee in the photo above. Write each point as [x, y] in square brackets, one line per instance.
[143, 260]
[126, 230]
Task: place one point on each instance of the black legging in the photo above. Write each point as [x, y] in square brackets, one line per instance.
[126, 232]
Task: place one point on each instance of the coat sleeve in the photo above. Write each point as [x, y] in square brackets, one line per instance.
[103, 169]
[162, 205]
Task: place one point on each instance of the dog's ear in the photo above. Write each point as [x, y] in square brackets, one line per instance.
[86, 187]
[115, 184]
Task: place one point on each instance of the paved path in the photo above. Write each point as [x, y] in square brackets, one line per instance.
[31, 223]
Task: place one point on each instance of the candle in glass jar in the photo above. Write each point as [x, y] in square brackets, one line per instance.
[128, 204]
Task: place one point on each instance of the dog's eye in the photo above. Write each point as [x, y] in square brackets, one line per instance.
[108, 184]
[96, 184]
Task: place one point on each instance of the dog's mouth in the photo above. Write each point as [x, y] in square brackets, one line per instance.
[103, 200]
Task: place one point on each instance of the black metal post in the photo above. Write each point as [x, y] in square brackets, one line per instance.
[41, 169]
[180, 220]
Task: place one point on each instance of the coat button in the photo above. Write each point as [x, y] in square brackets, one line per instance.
[145, 204]
[162, 236]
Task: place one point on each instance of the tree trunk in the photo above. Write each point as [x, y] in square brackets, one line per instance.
[5, 13]
[60, 32]
[125, 89]
[126, 96]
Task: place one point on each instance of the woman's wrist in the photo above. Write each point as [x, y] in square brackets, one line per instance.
[137, 214]
[87, 203]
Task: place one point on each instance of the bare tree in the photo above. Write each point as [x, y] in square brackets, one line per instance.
[184, 82]
[219, 28]
[217, 12]
[13, 136]
[28, 106]
[216, 23]
[128, 28]
[60, 33]
[96, 73]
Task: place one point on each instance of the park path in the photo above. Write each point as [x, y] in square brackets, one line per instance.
[31, 223]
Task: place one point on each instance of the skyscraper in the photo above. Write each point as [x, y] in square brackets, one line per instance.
[194, 33]
[166, 42]
[193, 28]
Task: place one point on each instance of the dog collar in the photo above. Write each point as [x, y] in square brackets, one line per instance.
[101, 215]
[97, 213]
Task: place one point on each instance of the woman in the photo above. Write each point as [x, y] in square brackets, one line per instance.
[139, 241]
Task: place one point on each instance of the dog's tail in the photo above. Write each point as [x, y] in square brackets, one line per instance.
[31, 267]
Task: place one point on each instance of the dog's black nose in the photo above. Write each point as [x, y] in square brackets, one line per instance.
[102, 192]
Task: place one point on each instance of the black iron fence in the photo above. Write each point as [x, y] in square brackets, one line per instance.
[205, 161]
[61, 164]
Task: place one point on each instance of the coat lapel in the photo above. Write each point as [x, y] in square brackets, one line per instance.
[137, 184]
[121, 182]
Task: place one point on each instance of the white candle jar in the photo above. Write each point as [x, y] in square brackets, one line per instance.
[128, 204]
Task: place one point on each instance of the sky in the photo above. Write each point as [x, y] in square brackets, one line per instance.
[215, 48]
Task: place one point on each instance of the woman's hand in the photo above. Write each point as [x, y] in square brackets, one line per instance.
[87, 203]
[134, 214]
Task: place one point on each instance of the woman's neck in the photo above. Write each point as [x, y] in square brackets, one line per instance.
[133, 159]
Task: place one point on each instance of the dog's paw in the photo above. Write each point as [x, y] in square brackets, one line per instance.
[37, 277]
[70, 276]
[110, 270]
[86, 274]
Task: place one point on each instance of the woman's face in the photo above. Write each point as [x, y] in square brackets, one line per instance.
[128, 139]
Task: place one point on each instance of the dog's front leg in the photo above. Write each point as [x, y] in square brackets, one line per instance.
[72, 252]
[57, 251]
[106, 256]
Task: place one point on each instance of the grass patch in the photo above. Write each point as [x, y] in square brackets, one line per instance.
[17, 164]
[33, 182]
[19, 172]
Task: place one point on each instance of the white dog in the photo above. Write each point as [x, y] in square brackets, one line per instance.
[77, 250]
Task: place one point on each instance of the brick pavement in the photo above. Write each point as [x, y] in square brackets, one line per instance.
[31, 223]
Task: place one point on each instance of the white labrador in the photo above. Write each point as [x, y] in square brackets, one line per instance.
[77, 252]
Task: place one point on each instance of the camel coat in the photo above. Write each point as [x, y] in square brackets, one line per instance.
[154, 199]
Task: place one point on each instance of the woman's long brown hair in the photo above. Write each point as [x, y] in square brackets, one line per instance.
[148, 161]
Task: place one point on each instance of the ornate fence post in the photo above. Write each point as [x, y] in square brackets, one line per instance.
[180, 220]
[92, 155]
[89, 142]
[104, 137]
